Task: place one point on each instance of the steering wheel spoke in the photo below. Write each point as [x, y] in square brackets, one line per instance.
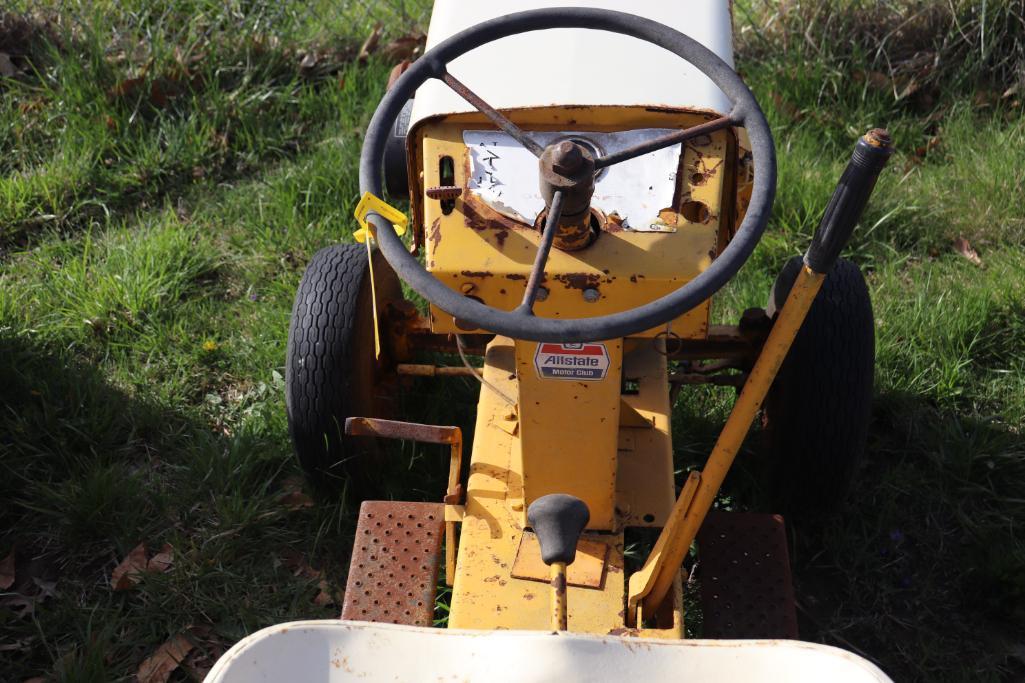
[537, 270]
[667, 140]
[493, 114]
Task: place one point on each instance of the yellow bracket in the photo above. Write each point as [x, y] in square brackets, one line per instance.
[365, 235]
[368, 204]
[699, 493]
[669, 551]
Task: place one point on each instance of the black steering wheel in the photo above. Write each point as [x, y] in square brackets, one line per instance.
[521, 323]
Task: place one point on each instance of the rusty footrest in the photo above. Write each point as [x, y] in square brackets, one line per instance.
[394, 568]
[746, 587]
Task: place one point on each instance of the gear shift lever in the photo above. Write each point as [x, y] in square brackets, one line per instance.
[558, 520]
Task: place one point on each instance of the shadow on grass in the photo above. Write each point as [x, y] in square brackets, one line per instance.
[923, 569]
[926, 557]
[89, 471]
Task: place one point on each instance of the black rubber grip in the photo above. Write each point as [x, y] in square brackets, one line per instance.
[558, 520]
[848, 201]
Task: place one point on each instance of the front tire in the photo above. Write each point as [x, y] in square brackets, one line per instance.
[331, 372]
[818, 411]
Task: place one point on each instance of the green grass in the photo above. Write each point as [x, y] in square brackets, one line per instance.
[151, 247]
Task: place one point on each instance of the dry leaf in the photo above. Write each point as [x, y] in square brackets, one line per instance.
[162, 663]
[159, 93]
[964, 247]
[127, 87]
[326, 596]
[309, 61]
[405, 47]
[47, 589]
[126, 574]
[7, 68]
[293, 497]
[370, 44]
[923, 150]
[397, 71]
[21, 645]
[878, 80]
[303, 569]
[7, 572]
[161, 562]
[21, 605]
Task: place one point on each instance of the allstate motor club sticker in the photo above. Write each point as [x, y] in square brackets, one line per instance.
[582, 362]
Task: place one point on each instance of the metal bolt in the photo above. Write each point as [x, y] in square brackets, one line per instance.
[591, 295]
[567, 158]
[542, 294]
[467, 287]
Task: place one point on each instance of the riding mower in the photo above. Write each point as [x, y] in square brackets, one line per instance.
[572, 232]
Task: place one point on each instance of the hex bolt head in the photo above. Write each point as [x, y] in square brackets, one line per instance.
[542, 294]
[591, 295]
[567, 158]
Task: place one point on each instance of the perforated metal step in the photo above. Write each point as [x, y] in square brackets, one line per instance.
[394, 568]
[746, 586]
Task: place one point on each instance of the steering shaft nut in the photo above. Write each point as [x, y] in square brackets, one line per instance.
[567, 158]
[568, 168]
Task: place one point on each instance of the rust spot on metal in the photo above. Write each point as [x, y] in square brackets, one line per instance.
[409, 431]
[696, 212]
[515, 276]
[613, 223]
[480, 217]
[434, 236]
[878, 137]
[623, 632]
[394, 568]
[476, 273]
[443, 192]
[579, 280]
[500, 238]
[702, 171]
[559, 584]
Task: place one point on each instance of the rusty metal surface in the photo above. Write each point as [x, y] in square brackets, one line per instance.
[395, 429]
[567, 168]
[444, 192]
[746, 588]
[537, 270]
[496, 117]
[638, 263]
[417, 370]
[413, 431]
[394, 569]
[667, 140]
[587, 570]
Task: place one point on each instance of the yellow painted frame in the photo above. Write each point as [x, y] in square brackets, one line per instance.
[589, 439]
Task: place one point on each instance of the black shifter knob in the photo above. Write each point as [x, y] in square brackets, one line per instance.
[558, 520]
